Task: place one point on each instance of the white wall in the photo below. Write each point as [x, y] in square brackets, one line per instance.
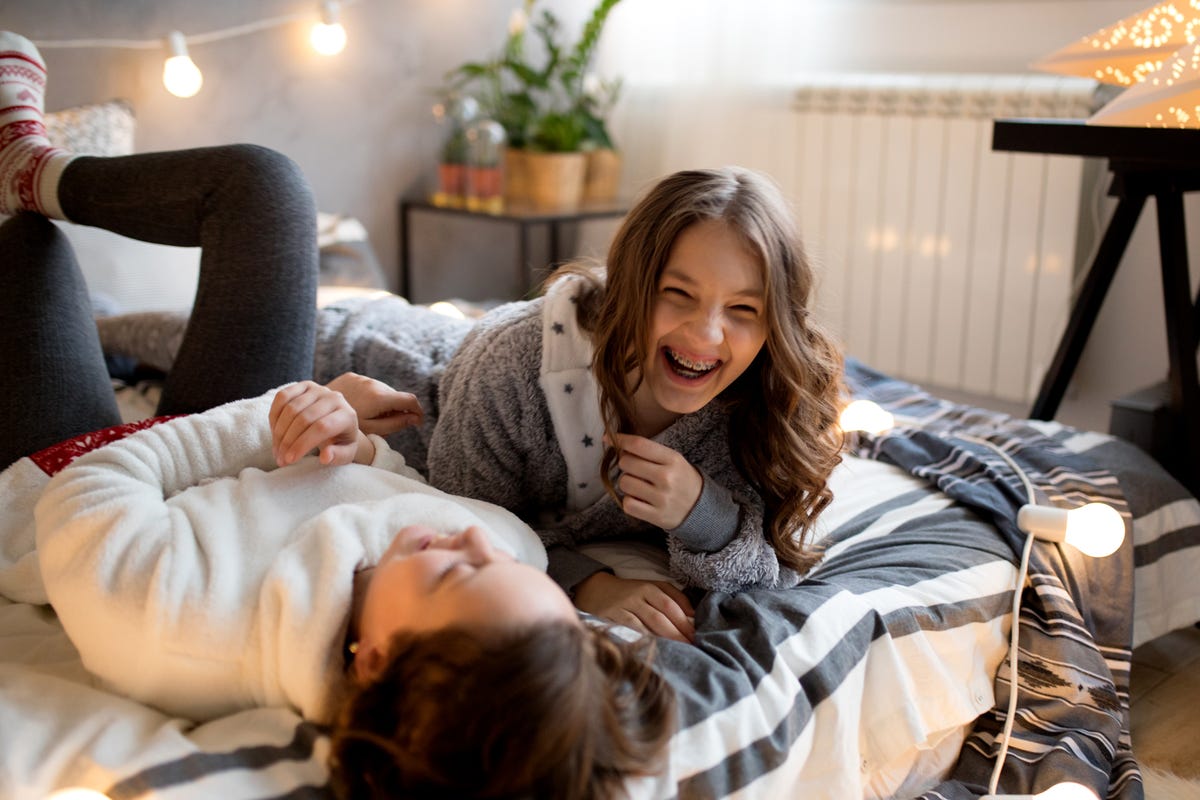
[361, 128]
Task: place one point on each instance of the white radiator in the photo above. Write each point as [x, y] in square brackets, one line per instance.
[940, 261]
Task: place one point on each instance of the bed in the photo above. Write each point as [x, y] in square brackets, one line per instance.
[880, 676]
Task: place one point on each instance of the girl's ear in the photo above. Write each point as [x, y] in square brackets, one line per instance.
[369, 662]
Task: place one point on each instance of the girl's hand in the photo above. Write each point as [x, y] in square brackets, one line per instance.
[652, 606]
[659, 485]
[380, 408]
[306, 416]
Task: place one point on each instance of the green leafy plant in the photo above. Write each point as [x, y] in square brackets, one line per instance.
[554, 106]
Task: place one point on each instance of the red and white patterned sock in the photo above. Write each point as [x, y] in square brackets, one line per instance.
[29, 165]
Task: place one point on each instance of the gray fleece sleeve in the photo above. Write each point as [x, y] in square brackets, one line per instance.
[713, 521]
[722, 545]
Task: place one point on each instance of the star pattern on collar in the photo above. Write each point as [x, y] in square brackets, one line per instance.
[557, 327]
[588, 441]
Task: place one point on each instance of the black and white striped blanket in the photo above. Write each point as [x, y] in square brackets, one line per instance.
[870, 679]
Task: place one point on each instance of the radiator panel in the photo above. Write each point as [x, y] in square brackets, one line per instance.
[940, 261]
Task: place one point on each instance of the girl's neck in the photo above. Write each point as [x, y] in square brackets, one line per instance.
[649, 418]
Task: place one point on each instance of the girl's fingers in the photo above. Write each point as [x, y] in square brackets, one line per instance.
[322, 420]
[664, 625]
[642, 448]
[679, 597]
[284, 428]
[637, 487]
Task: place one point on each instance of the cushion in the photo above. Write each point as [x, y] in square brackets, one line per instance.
[97, 129]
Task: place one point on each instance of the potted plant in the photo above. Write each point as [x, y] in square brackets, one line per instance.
[554, 113]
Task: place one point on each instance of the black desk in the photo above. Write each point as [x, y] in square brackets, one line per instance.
[1145, 162]
[523, 217]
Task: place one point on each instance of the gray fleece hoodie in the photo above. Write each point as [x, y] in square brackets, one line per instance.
[518, 426]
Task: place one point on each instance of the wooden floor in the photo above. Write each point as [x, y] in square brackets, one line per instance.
[1165, 703]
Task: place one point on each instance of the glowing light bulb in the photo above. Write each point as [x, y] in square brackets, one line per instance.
[1096, 529]
[76, 793]
[180, 75]
[866, 416]
[447, 309]
[328, 37]
[1059, 791]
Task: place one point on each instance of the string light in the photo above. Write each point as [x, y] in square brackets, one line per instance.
[865, 416]
[1059, 791]
[77, 793]
[1095, 529]
[181, 75]
[328, 36]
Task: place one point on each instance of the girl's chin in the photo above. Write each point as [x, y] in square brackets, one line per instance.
[677, 401]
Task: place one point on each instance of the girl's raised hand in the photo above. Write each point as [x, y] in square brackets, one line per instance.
[381, 409]
[659, 485]
[306, 416]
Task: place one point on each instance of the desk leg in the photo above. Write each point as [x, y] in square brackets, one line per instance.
[1181, 333]
[555, 255]
[405, 255]
[1087, 306]
[523, 272]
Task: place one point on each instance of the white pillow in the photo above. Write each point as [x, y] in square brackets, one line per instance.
[137, 276]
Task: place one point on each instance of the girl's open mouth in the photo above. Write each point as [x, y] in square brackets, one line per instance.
[688, 368]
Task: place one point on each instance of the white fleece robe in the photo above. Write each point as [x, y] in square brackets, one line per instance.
[193, 575]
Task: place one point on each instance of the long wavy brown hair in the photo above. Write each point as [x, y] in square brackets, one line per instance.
[553, 710]
[783, 422]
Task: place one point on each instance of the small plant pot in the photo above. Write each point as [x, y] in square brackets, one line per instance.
[603, 176]
[555, 180]
[516, 177]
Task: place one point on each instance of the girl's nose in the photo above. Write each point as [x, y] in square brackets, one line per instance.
[476, 544]
[707, 327]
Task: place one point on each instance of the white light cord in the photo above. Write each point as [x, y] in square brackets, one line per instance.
[198, 38]
[1022, 573]
[1008, 460]
[1012, 659]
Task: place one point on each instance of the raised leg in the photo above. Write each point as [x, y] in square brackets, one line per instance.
[251, 212]
[55, 383]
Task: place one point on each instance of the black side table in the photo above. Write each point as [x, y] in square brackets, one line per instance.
[1162, 163]
[525, 218]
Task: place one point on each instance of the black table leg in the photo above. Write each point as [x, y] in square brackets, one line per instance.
[403, 287]
[1087, 306]
[1181, 333]
[524, 270]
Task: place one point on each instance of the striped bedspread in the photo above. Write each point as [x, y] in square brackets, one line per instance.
[882, 675]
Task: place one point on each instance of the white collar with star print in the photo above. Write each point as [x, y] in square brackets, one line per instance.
[571, 393]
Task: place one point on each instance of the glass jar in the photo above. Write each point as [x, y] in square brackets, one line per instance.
[486, 141]
[455, 112]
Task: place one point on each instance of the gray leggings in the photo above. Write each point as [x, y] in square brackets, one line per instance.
[251, 212]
